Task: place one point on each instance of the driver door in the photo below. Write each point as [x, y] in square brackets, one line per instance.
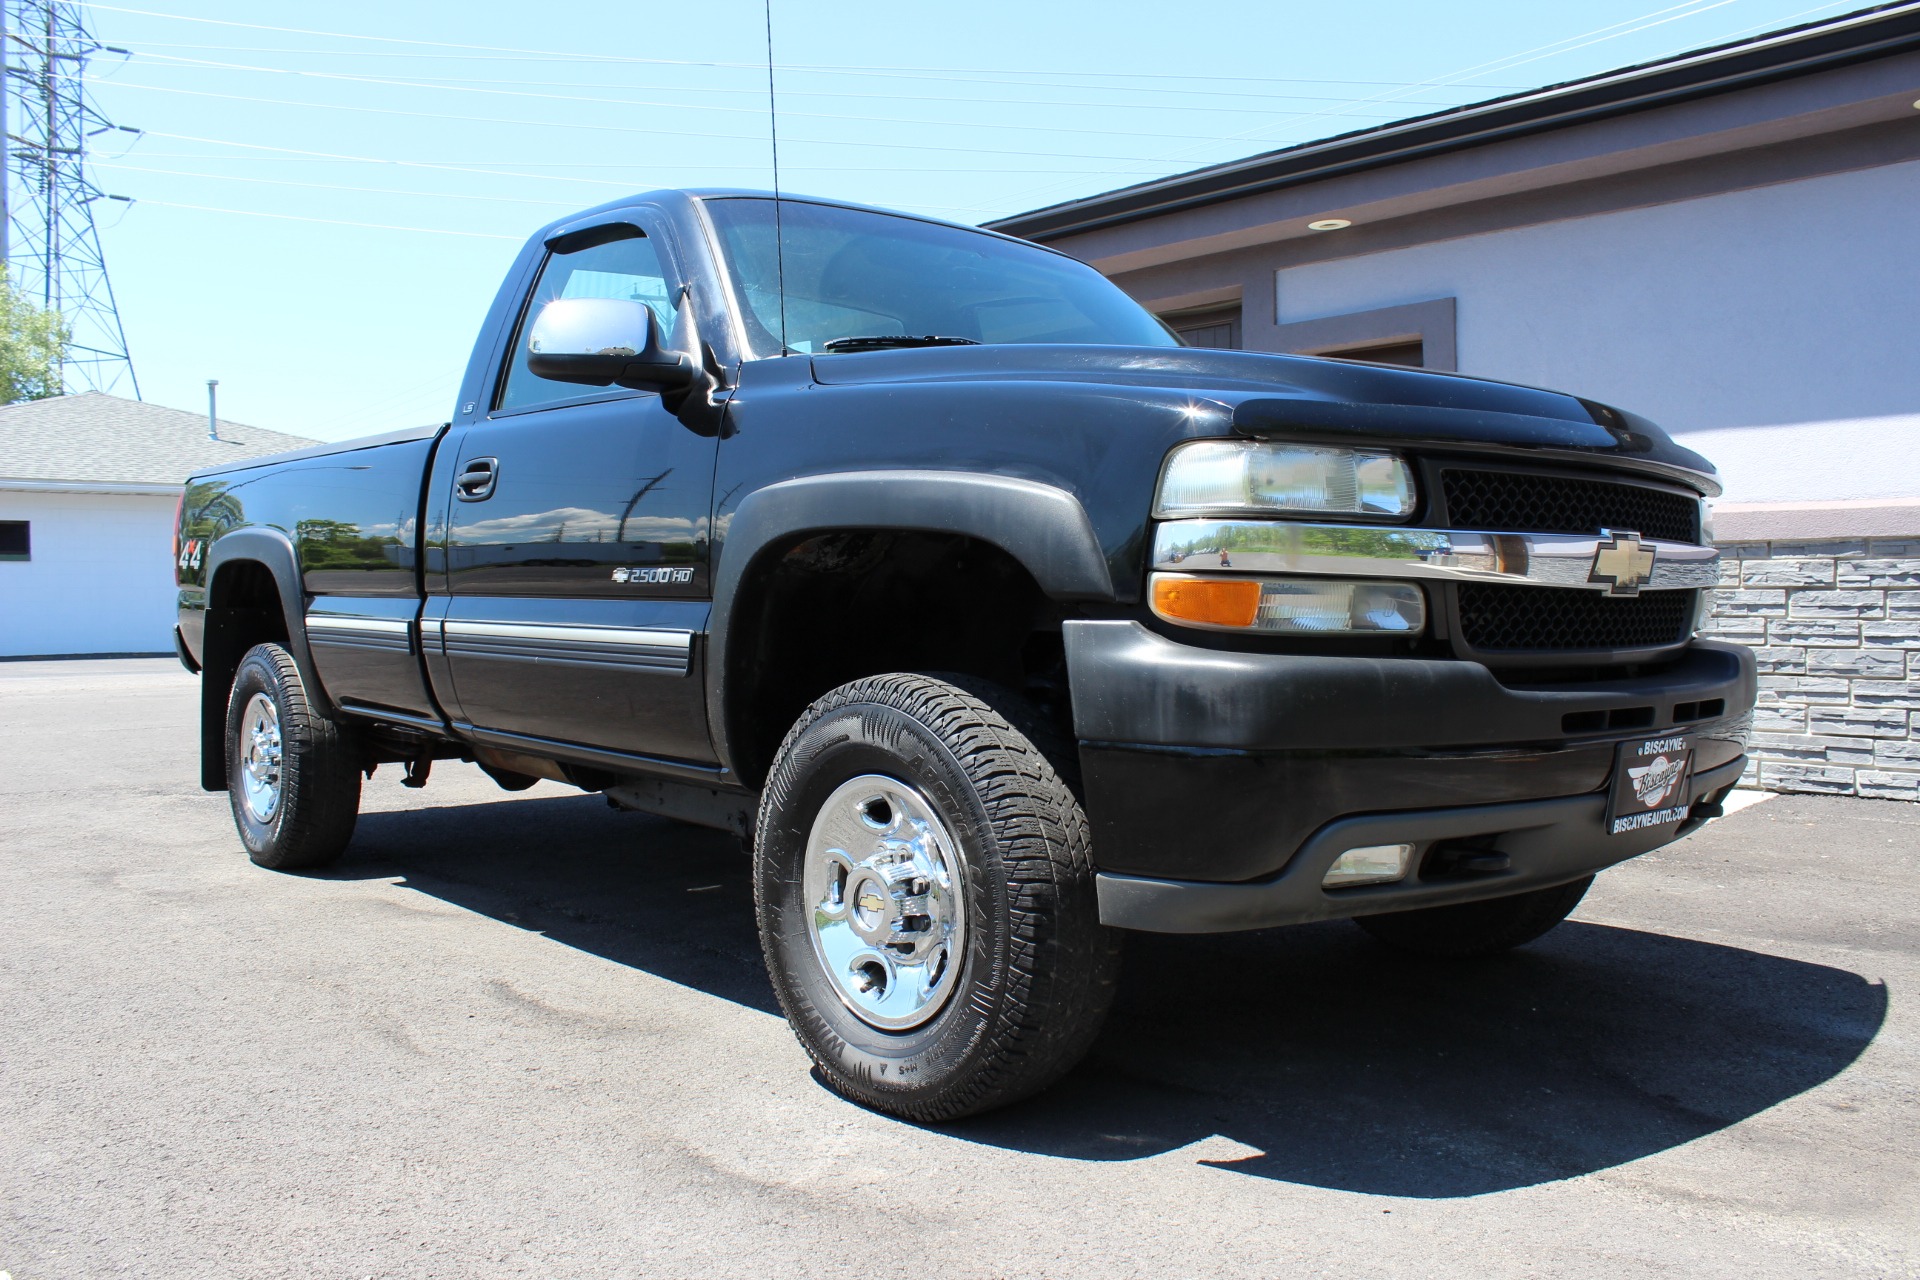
[577, 541]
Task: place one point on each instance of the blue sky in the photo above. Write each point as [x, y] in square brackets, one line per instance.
[323, 210]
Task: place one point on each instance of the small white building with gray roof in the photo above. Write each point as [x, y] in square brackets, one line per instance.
[88, 488]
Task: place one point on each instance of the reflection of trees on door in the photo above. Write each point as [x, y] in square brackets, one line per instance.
[339, 544]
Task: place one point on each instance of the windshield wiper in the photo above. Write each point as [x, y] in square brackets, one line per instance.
[882, 342]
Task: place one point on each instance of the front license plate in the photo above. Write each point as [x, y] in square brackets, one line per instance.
[1651, 779]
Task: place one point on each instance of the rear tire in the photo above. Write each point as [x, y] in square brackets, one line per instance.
[925, 897]
[293, 776]
[1477, 928]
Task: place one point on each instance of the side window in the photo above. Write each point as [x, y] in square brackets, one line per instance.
[625, 268]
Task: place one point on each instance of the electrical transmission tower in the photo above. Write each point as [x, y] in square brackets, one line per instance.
[47, 234]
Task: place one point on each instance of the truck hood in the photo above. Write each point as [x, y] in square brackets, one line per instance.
[1279, 395]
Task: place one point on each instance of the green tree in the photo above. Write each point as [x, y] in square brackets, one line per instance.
[33, 343]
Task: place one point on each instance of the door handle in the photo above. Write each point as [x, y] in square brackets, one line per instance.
[475, 482]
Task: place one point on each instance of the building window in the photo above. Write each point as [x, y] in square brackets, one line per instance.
[1211, 327]
[16, 542]
[1420, 334]
[1413, 354]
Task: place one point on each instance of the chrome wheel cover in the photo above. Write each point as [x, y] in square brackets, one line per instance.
[260, 777]
[883, 881]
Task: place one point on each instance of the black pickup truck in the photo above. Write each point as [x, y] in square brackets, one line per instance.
[996, 620]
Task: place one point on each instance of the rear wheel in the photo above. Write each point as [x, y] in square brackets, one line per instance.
[1477, 928]
[926, 899]
[292, 775]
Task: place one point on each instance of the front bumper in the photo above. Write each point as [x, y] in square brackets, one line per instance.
[1544, 843]
[1204, 765]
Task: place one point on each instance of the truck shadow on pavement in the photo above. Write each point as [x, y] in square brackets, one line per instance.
[1331, 1061]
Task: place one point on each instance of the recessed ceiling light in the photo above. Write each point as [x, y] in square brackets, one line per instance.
[1330, 224]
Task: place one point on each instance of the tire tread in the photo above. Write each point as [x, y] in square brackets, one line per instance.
[320, 772]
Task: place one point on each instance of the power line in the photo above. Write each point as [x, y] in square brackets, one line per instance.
[601, 127]
[331, 186]
[1553, 49]
[1102, 82]
[676, 106]
[471, 84]
[690, 106]
[682, 62]
[970, 78]
[295, 153]
[961, 77]
[1566, 45]
[333, 222]
[610, 165]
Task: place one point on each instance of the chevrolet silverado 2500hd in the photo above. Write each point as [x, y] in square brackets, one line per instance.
[997, 620]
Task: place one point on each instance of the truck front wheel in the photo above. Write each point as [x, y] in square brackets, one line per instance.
[1477, 928]
[292, 775]
[926, 899]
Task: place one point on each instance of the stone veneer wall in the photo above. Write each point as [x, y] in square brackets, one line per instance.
[1836, 627]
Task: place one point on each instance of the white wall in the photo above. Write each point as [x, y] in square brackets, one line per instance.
[101, 577]
[1775, 330]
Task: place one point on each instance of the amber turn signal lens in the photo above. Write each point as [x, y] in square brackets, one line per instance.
[1214, 602]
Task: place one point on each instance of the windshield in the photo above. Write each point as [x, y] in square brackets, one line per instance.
[853, 274]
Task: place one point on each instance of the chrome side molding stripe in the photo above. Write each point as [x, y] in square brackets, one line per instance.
[353, 631]
[1374, 551]
[634, 648]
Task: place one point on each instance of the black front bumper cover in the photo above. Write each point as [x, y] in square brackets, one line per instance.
[1229, 773]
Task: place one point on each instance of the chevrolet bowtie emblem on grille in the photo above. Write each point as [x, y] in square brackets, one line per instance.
[1622, 563]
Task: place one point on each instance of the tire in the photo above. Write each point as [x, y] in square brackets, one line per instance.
[957, 834]
[293, 777]
[1477, 928]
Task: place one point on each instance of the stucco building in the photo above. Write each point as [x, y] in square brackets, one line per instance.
[1724, 241]
[88, 489]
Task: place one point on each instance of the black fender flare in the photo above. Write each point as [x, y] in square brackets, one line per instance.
[274, 551]
[1042, 526]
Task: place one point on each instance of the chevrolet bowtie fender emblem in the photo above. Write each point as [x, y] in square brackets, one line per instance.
[1623, 563]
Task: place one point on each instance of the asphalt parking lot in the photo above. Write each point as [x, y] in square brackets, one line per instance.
[529, 1036]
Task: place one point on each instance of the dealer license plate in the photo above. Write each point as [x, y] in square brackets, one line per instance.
[1651, 781]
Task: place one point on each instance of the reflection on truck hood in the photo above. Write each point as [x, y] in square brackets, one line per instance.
[1232, 377]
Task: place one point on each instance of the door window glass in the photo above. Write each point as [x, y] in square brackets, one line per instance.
[624, 268]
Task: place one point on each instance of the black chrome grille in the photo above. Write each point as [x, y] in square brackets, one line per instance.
[1507, 619]
[1516, 502]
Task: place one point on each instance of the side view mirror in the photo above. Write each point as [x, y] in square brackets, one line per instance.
[604, 341]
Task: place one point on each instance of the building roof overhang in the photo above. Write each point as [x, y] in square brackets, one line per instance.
[123, 488]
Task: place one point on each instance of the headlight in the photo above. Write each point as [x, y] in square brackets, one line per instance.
[1290, 606]
[1220, 477]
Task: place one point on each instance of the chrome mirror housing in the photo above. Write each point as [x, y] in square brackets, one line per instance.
[602, 342]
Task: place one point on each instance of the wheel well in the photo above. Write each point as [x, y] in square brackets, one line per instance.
[837, 606]
[243, 610]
